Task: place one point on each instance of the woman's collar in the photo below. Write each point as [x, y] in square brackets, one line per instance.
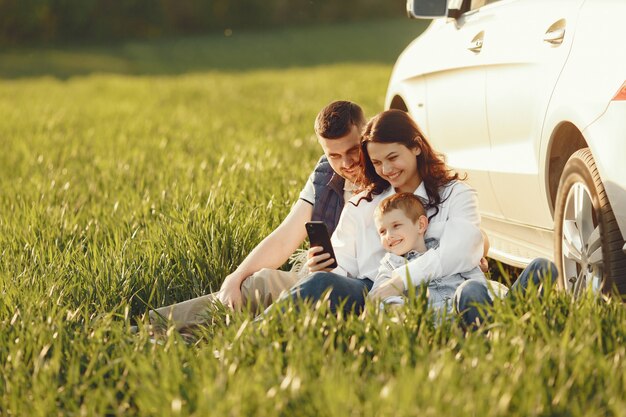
[421, 191]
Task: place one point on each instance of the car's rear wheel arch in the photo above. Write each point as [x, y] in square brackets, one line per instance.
[564, 142]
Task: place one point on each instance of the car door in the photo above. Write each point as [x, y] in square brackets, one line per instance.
[455, 78]
[525, 48]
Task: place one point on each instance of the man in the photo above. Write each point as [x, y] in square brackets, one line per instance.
[257, 282]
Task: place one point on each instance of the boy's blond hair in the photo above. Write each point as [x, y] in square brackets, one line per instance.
[409, 203]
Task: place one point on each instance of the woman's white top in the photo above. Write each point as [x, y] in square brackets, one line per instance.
[456, 226]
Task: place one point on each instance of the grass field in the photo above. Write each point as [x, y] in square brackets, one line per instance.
[139, 174]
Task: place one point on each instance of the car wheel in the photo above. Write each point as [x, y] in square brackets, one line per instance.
[588, 246]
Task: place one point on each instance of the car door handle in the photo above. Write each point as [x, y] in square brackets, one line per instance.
[555, 37]
[477, 43]
[555, 33]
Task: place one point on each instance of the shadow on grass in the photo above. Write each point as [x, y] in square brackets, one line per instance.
[367, 42]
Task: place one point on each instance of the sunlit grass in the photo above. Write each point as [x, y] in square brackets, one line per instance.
[122, 189]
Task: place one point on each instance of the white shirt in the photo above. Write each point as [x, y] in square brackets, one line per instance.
[456, 226]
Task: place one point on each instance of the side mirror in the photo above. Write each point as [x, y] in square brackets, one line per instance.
[427, 9]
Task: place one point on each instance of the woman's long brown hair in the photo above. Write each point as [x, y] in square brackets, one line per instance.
[396, 126]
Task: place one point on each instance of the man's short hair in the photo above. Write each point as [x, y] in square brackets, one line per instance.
[335, 120]
[409, 203]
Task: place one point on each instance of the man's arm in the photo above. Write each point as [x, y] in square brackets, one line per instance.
[272, 252]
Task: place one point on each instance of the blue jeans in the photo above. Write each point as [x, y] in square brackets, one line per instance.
[349, 291]
[472, 294]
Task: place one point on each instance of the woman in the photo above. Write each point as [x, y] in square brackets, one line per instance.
[396, 157]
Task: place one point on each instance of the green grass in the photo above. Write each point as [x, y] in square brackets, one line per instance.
[140, 174]
[369, 42]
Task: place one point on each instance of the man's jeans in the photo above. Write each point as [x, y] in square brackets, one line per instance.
[349, 291]
[472, 294]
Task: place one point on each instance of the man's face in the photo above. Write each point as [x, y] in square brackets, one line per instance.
[343, 153]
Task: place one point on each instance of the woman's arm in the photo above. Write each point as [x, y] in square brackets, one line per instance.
[344, 242]
[460, 244]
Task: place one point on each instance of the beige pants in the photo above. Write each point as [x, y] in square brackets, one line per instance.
[258, 291]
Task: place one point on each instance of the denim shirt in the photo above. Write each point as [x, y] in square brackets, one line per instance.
[440, 290]
[392, 261]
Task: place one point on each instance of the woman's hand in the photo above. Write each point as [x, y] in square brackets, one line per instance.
[318, 260]
[484, 265]
[393, 286]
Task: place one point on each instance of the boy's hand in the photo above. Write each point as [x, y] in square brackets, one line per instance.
[394, 286]
[318, 260]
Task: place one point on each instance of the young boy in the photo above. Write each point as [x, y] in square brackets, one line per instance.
[402, 223]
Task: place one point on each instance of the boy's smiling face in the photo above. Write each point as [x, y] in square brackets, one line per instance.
[398, 233]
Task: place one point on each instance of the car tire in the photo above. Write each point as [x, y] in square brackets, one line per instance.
[588, 242]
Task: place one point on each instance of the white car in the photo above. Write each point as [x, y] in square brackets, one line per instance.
[528, 97]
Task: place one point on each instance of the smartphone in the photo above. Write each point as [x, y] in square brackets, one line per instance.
[318, 236]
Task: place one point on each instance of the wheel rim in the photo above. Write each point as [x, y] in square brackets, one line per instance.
[581, 243]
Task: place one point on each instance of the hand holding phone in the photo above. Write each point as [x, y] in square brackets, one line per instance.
[318, 236]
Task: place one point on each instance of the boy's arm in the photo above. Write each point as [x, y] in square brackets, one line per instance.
[384, 270]
[384, 285]
[272, 252]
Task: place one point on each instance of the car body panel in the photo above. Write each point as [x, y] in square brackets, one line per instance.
[495, 112]
[588, 104]
[612, 124]
[522, 70]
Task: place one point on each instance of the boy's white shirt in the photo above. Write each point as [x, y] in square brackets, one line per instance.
[456, 226]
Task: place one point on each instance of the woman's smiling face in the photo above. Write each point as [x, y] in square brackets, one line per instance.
[395, 163]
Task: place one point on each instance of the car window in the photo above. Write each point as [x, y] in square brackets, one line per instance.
[455, 4]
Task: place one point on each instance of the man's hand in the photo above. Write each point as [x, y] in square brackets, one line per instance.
[318, 260]
[230, 293]
[392, 287]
